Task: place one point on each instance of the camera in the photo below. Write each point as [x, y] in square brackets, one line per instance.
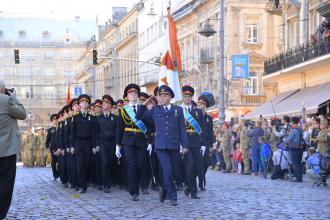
[250, 124]
[277, 123]
[9, 90]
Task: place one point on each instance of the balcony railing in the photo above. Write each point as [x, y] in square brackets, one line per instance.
[297, 55]
[206, 55]
[253, 99]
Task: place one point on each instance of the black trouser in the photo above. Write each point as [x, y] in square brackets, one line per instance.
[54, 164]
[91, 175]
[82, 152]
[193, 168]
[63, 168]
[73, 170]
[7, 180]
[121, 169]
[155, 170]
[296, 157]
[136, 162]
[147, 172]
[206, 163]
[69, 166]
[108, 160]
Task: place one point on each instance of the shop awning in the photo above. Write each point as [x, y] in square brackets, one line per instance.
[311, 98]
[291, 103]
[267, 108]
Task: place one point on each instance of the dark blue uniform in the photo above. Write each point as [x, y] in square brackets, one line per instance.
[83, 140]
[61, 144]
[134, 142]
[106, 139]
[51, 145]
[170, 134]
[193, 159]
[208, 130]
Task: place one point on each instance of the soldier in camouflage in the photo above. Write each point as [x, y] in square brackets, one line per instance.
[226, 147]
[244, 144]
[323, 138]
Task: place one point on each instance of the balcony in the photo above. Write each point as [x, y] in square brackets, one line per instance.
[253, 99]
[300, 56]
[206, 55]
[324, 10]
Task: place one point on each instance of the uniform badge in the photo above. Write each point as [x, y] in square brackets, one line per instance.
[196, 113]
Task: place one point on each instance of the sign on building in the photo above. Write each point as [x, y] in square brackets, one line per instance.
[77, 91]
[240, 66]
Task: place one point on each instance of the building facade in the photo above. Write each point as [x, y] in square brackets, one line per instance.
[250, 27]
[48, 53]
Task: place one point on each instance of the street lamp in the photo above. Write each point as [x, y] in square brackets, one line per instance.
[208, 31]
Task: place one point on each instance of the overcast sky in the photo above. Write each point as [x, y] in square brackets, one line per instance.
[62, 8]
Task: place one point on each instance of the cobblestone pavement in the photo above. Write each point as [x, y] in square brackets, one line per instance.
[228, 196]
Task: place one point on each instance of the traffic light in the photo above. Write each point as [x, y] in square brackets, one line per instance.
[95, 57]
[277, 3]
[16, 56]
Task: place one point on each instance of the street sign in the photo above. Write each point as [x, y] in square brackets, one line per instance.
[77, 91]
[240, 66]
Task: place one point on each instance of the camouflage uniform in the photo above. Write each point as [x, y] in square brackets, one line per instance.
[42, 151]
[244, 143]
[31, 145]
[323, 142]
[225, 145]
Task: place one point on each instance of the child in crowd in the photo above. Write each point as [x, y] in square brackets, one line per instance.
[237, 159]
[265, 154]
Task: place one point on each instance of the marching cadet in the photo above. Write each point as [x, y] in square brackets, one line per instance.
[196, 140]
[244, 140]
[51, 145]
[170, 135]
[61, 148]
[74, 110]
[68, 155]
[132, 135]
[32, 144]
[205, 101]
[106, 125]
[148, 169]
[95, 162]
[82, 140]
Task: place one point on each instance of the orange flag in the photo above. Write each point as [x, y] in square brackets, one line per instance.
[68, 99]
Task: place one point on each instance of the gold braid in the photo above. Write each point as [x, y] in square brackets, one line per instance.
[126, 119]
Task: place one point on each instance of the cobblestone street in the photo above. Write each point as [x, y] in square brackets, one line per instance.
[228, 196]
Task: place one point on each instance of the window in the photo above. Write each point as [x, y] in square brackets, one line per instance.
[45, 35]
[251, 85]
[49, 72]
[293, 32]
[252, 33]
[49, 92]
[22, 34]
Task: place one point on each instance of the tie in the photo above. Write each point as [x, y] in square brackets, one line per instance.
[166, 109]
[134, 108]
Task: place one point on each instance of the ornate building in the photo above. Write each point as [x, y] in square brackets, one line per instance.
[48, 53]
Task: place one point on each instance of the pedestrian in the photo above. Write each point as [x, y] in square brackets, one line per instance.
[132, 137]
[11, 110]
[237, 159]
[205, 102]
[244, 140]
[51, 145]
[295, 144]
[226, 147]
[265, 153]
[106, 125]
[83, 140]
[171, 133]
[255, 133]
[196, 134]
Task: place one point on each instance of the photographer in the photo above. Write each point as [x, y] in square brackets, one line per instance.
[284, 129]
[10, 141]
[295, 143]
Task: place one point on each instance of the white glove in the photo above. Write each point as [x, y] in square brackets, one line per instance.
[97, 148]
[72, 150]
[203, 148]
[118, 154]
[149, 148]
[181, 149]
[94, 151]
